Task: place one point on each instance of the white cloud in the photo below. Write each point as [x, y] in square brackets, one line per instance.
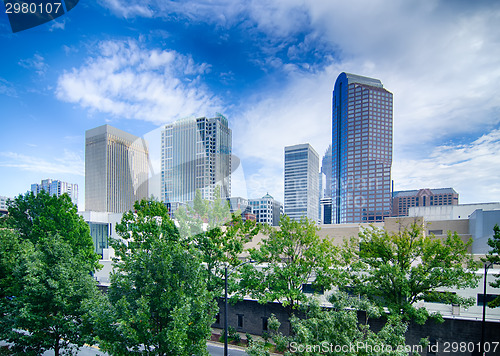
[6, 88]
[68, 163]
[439, 58]
[127, 80]
[472, 169]
[36, 64]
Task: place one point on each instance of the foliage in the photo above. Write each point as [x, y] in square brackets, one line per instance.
[336, 331]
[292, 255]
[48, 302]
[257, 348]
[10, 250]
[160, 301]
[493, 257]
[397, 270]
[38, 217]
[249, 337]
[219, 237]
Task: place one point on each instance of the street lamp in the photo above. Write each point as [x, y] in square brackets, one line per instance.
[225, 301]
[483, 323]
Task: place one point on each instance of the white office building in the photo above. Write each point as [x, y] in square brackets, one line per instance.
[301, 182]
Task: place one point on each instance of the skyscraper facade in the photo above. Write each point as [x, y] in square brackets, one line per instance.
[301, 182]
[116, 169]
[195, 155]
[57, 188]
[325, 195]
[361, 149]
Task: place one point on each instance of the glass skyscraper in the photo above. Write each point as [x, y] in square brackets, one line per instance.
[301, 182]
[116, 169]
[195, 155]
[361, 150]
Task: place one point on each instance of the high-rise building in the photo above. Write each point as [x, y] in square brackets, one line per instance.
[361, 149]
[267, 210]
[195, 155]
[403, 200]
[301, 182]
[57, 188]
[116, 169]
[325, 194]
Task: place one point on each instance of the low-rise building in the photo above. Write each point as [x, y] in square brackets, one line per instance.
[402, 201]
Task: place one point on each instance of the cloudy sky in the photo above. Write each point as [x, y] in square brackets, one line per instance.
[269, 66]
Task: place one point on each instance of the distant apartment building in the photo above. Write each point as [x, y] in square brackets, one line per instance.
[195, 155]
[241, 205]
[3, 205]
[402, 201]
[57, 188]
[116, 169]
[267, 210]
[301, 182]
[361, 149]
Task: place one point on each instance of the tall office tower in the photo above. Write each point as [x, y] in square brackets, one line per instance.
[116, 169]
[195, 155]
[57, 188]
[325, 195]
[301, 182]
[361, 150]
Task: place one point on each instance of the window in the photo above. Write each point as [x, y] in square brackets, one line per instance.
[489, 298]
[240, 320]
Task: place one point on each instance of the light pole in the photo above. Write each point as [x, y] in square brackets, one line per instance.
[225, 301]
[483, 323]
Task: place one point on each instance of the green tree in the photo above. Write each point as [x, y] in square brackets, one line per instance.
[335, 331]
[38, 217]
[493, 257]
[46, 308]
[218, 235]
[160, 302]
[10, 251]
[290, 257]
[399, 269]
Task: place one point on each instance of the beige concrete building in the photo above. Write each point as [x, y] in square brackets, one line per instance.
[116, 169]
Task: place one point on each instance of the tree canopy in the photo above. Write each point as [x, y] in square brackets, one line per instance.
[38, 217]
[47, 301]
[335, 331]
[159, 303]
[493, 257]
[399, 269]
[290, 257]
[219, 236]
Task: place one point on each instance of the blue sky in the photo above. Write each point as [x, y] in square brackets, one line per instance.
[267, 65]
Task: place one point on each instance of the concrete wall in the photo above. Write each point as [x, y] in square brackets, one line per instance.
[463, 332]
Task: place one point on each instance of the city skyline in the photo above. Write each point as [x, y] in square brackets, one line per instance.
[269, 67]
